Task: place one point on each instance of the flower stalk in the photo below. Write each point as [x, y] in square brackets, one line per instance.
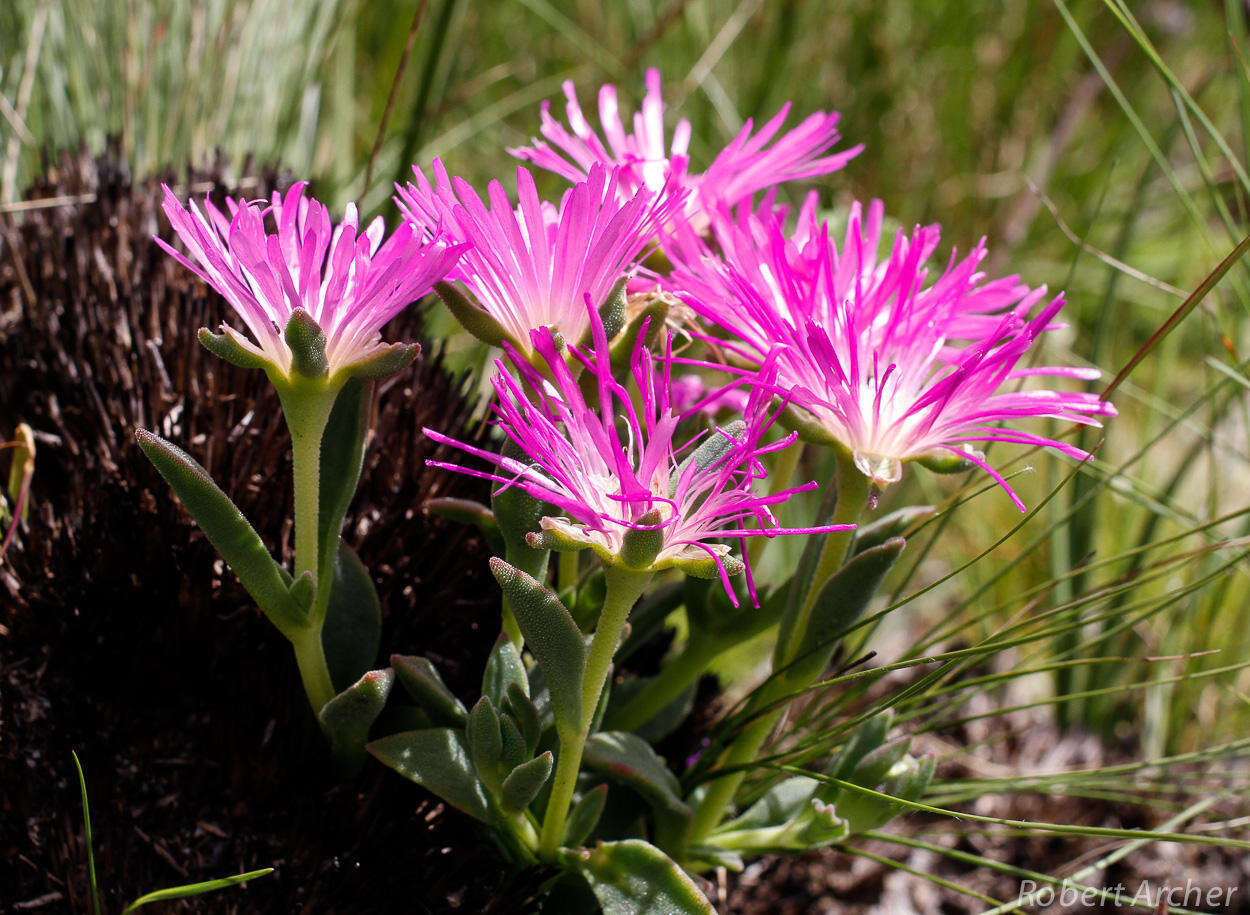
[624, 587]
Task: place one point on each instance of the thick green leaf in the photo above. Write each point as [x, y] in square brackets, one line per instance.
[196, 889]
[342, 456]
[352, 630]
[524, 782]
[550, 633]
[629, 758]
[485, 742]
[503, 669]
[438, 760]
[227, 530]
[426, 687]
[867, 737]
[347, 717]
[515, 749]
[585, 816]
[521, 708]
[634, 877]
[778, 805]
[841, 603]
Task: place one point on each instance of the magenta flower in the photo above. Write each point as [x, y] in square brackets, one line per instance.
[535, 266]
[876, 356]
[614, 466]
[747, 165]
[349, 282]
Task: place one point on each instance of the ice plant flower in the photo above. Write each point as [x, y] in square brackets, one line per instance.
[284, 259]
[875, 354]
[616, 470]
[535, 265]
[747, 165]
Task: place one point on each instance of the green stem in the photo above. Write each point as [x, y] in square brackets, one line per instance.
[624, 587]
[852, 490]
[743, 750]
[314, 673]
[662, 690]
[852, 497]
[307, 407]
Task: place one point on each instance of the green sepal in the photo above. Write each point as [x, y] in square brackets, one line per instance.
[475, 320]
[426, 687]
[640, 545]
[503, 670]
[524, 782]
[342, 457]
[518, 704]
[612, 311]
[704, 566]
[796, 419]
[584, 816]
[467, 511]
[895, 524]
[653, 315]
[225, 346]
[436, 759]
[352, 631]
[630, 759]
[485, 743]
[227, 530]
[633, 877]
[307, 342]
[940, 460]
[553, 538]
[383, 362]
[841, 603]
[554, 639]
[347, 717]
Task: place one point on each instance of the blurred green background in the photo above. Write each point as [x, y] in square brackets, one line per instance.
[1099, 147]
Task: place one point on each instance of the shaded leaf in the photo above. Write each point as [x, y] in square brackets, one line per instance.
[634, 877]
[438, 760]
[227, 530]
[629, 758]
[352, 630]
[421, 679]
[550, 633]
[347, 717]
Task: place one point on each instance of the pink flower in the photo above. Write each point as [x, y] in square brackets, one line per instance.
[747, 165]
[349, 282]
[535, 266]
[607, 465]
[880, 358]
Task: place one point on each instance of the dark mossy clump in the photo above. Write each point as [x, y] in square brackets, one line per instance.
[124, 639]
